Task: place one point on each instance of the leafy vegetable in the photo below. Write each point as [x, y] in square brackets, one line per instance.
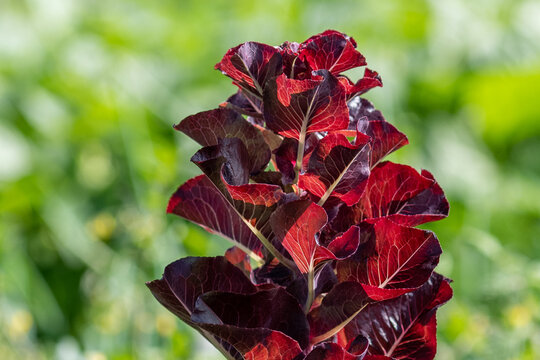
[337, 270]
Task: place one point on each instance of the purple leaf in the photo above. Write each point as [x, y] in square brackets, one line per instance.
[405, 327]
[385, 138]
[251, 65]
[223, 309]
[337, 309]
[229, 160]
[185, 280]
[209, 127]
[245, 104]
[199, 201]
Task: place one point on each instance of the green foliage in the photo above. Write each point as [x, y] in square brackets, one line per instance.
[88, 158]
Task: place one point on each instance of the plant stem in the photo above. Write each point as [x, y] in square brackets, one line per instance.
[302, 137]
[311, 291]
[269, 246]
[300, 153]
[335, 330]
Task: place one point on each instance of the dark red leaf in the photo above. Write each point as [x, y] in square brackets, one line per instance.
[186, 279]
[294, 108]
[164, 294]
[403, 195]
[272, 178]
[245, 104]
[275, 346]
[405, 327]
[209, 127]
[257, 310]
[199, 201]
[337, 309]
[251, 65]
[331, 50]
[358, 346]
[286, 154]
[385, 138]
[429, 205]
[346, 244]
[338, 168]
[239, 258]
[296, 225]
[255, 203]
[328, 208]
[293, 281]
[229, 159]
[293, 66]
[370, 80]
[331, 351]
[392, 260]
[254, 343]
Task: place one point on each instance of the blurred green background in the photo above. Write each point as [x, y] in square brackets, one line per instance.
[88, 158]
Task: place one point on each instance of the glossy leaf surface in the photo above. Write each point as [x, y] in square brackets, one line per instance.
[337, 309]
[199, 201]
[296, 224]
[331, 50]
[402, 194]
[326, 264]
[391, 260]
[250, 65]
[405, 327]
[338, 168]
[294, 108]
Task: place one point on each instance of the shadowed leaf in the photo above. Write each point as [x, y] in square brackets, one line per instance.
[199, 201]
[405, 327]
[209, 127]
[221, 309]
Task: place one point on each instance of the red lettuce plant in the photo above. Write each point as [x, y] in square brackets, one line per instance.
[326, 262]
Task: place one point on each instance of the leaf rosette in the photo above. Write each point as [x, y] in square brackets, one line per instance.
[326, 262]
